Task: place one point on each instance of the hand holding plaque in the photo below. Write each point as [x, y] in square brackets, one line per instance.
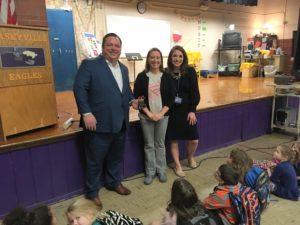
[141, 102]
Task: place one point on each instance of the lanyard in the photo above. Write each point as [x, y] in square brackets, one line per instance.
[177, 89]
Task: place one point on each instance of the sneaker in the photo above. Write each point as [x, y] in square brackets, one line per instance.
[148, 179]
[162, 177]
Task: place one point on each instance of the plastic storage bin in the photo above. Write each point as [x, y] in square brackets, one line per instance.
[270, 70]
[250, 72]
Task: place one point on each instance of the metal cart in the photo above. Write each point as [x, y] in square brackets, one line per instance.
[286, 117]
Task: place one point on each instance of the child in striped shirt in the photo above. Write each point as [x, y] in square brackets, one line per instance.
[228, 181]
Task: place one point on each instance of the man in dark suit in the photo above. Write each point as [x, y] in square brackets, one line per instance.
[103, 96]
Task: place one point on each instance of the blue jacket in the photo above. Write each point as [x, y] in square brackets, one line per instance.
[97, 91]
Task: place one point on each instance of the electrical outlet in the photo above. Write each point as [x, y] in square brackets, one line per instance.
[68, 123]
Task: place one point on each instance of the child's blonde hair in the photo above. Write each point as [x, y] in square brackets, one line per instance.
[286, 151]
[241, 161]
[84, 207]
[296, 156]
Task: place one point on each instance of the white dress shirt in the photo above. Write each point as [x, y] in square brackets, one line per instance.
[116, 71]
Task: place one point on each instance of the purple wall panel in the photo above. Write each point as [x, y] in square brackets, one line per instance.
[134, 151]
[56, 171]
[203, 131]
[41, 169]
[210, 129]
[219, 128]
[265, 119]
[218, 120]
[257, 119]
[8, 198]
[23, 177]
[74, 164]
[232, 124]
[43, 174]
[58, 161]
[294, 102]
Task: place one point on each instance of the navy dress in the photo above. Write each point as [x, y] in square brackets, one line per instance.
[187, 90]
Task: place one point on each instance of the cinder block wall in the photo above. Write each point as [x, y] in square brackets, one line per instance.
[31, 13]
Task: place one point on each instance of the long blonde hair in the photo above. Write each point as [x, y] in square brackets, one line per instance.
[84, 207]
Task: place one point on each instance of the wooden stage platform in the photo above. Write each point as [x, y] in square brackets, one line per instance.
[215, 93]
[47, 165]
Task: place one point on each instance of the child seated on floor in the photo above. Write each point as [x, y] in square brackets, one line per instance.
[284, 178]
[86, 212]
[296, 160]
[250, 175]
[83, 212]
[40, 215]
[228, 181]
[185, 208]
[242, 162]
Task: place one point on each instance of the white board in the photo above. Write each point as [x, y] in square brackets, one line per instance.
[139, 35]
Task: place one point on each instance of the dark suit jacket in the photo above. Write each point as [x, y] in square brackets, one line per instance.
[97, 91]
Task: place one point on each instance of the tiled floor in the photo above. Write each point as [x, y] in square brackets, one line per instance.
[149, 202]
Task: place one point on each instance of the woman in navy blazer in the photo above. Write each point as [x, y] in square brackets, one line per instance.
[103, 95]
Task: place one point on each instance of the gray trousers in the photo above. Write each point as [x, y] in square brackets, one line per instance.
[154, 139]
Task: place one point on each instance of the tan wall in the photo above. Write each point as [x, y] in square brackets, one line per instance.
[182, 16]
[282, 15]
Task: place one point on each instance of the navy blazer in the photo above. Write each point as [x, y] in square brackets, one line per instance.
[97, 91]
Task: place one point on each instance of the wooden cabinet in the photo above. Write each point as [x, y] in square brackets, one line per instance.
[27, 95]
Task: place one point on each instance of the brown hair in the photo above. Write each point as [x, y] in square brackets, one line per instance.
[184, 64]
[296, 156]
[228, 174]
[241, 161]
[147, 65]
[184, 200]
[40, 215]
